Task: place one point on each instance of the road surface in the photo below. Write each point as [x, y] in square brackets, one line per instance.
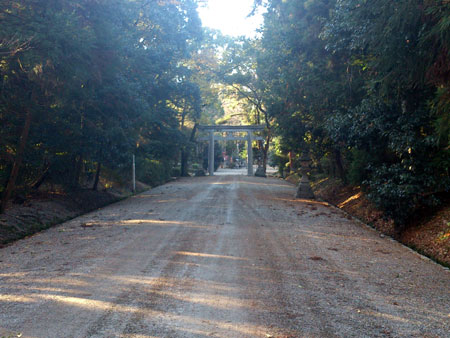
[221, 256]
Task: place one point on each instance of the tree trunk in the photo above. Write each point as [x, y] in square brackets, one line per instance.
[17, 162]
[267, 145]
[78, 166]
[185, 154]
[97, 176]
[184, 163]
[41, 179]
[291, 162]
[339, 165]
[266, 152]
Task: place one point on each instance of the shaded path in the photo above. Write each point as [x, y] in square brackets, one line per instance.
[224, 256]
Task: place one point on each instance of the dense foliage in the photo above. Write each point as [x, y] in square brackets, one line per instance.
[364, 86]
[85, 84]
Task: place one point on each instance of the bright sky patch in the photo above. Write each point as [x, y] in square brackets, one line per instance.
[231, 17]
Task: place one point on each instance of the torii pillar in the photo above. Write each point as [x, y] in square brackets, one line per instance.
[249, 153]
[211, 154]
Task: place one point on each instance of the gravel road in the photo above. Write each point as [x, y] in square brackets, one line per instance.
[222, 256]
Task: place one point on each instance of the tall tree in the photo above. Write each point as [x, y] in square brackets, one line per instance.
[86, 83]
[365, 84]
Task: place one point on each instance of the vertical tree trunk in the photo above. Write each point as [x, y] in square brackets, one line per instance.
[184, 150]
[78, 167]
[291, 164]
[185, 154]
[97, 176]
[267, 145]
[339, 165]
[266, 152]
[17, 162]
[184, 163]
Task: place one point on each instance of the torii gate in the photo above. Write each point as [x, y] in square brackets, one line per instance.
[231, 129]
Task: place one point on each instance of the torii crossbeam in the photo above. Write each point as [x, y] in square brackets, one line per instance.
[231, 129]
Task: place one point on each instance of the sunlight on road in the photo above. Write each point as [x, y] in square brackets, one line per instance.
[239, 257]
[241, 171]
[157, 222]
[231, 172]
[197, 254]
[175, 320]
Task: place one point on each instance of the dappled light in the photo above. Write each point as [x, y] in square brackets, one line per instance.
[86, 304]
[301, 200]
[352, 198]
[260, 183]
[13, 274]
[325, 235]
[387, 316]
[211, 294]
[208, 295]
[198, 254]
[164, 223]
[171, 200]
[234, 260]
[11, 298]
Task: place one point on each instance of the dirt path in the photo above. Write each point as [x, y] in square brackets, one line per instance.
[224, 256]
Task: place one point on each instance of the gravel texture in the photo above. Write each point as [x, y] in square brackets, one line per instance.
[222, 256]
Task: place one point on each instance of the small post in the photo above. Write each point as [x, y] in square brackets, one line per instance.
[134, 174]
[249, 153]
[211, 154]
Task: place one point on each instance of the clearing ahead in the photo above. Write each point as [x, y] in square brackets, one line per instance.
[223, 256]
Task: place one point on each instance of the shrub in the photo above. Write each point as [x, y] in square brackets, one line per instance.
[399, 191]
[175, 172]
[152, 172]
[326, 166]
[357, 170]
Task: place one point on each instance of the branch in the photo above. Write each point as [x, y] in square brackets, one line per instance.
[14, 46]
[250, 99]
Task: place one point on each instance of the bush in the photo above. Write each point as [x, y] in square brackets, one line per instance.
[195, 166]
[399, 191]
[152, 172]
[280, 161]
[357, 171]
[175, 172]
[326, 166]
